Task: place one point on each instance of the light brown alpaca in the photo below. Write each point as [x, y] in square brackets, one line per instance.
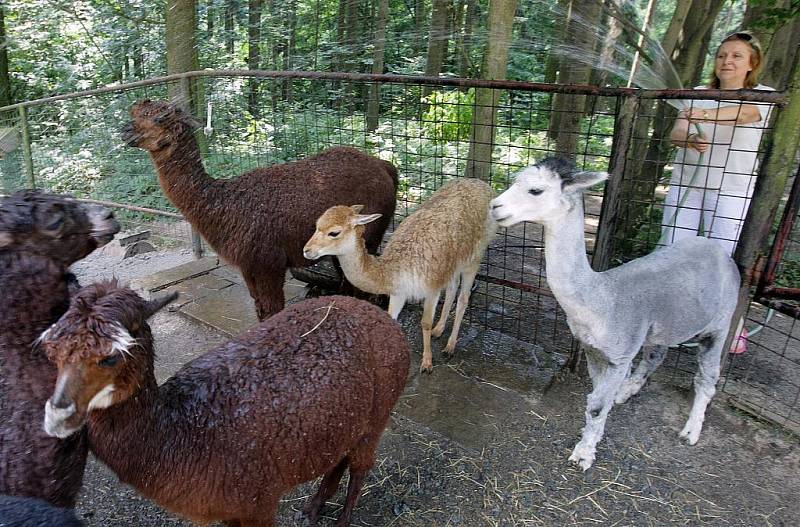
[436, 247]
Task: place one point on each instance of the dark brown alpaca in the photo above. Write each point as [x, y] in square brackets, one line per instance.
[40, 236]
[306, 393]
[260, 220]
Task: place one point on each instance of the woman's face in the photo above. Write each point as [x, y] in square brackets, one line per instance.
[733, 63]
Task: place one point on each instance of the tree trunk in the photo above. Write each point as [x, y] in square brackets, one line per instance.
[419, 23]
[378, 55]
[568, 109]
[291, 38]
[5, 78]
[686, 41]
[230, 26]
[210, 11]
[437, 42]
[180, 26]
[780, 42]
[138, 58]
[465, 50]
[495, 66]
[253, 53]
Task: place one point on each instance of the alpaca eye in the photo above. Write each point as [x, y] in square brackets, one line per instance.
[55, 223]
[110, 361]
[334, 234]
[535, 191]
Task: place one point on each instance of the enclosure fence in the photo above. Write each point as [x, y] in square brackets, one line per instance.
[433, 130]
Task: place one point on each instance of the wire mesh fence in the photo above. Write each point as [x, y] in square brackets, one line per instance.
[425, 128]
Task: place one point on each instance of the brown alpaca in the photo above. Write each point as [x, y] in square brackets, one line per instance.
[438, 246]
[41, 235]
[306, 393]
[260, 220]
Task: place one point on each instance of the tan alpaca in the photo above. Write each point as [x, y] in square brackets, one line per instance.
[436, 247]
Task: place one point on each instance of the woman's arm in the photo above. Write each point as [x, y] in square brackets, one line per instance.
[726, 115]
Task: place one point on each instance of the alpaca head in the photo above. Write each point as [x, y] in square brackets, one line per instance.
[58, 227]
[103, 349]
[543, 192]
[158, 125]
[338, 231]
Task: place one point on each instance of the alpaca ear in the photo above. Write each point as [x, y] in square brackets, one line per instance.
[153, 306]
[583, 180]
[357, 208]
[362, 219]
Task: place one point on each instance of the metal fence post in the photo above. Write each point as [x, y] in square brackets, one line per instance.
[26, 146]
[609, 213]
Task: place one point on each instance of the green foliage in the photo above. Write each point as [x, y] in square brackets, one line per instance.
[449, 115]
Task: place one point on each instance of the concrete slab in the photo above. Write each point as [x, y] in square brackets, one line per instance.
[164, 279]
[463, 409]
[197, 288]
[230, 310]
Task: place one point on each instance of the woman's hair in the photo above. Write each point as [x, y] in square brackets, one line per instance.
[756, 59]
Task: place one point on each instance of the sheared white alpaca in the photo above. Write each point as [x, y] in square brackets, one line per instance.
[667, 297]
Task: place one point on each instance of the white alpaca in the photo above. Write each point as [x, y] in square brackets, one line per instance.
[686, 290]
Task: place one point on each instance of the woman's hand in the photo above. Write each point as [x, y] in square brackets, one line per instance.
[697, 142]
[696, 115]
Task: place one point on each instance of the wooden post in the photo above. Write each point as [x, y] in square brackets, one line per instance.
[26, 146]
[609, 214]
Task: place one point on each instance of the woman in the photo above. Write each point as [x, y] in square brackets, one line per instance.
[710, 195]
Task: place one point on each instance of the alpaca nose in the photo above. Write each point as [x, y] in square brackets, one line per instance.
[61, 401]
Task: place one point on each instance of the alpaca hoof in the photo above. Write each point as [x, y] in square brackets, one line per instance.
[426, 367]
[626, 391]
[449, 350]
[583, 456]
[691, 433]
[310, 514]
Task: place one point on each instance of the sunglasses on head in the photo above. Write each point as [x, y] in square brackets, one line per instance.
[743, 35]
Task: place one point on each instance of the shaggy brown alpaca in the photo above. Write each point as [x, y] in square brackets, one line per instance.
[40, 236]
[260, 220]
[306, 393]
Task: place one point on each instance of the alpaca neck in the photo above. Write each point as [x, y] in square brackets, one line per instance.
[186, 183]
[365, 271]
[569, 274]
[138, 439]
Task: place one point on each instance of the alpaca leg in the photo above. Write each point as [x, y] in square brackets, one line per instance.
[606, 379]
[428, 310]
[449, 296]
[467, 278]
[266, 288]
[651, 359]
[361, 461]
[705, 382]
[396, 304]
[327, 488]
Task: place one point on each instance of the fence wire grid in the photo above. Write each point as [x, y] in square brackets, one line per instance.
[73, 145]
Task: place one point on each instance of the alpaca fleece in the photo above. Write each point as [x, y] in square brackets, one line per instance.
[236, 428]
[40, 236]
[260, 220]
[32, 512]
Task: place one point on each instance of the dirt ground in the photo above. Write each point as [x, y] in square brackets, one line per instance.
[509, 466]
